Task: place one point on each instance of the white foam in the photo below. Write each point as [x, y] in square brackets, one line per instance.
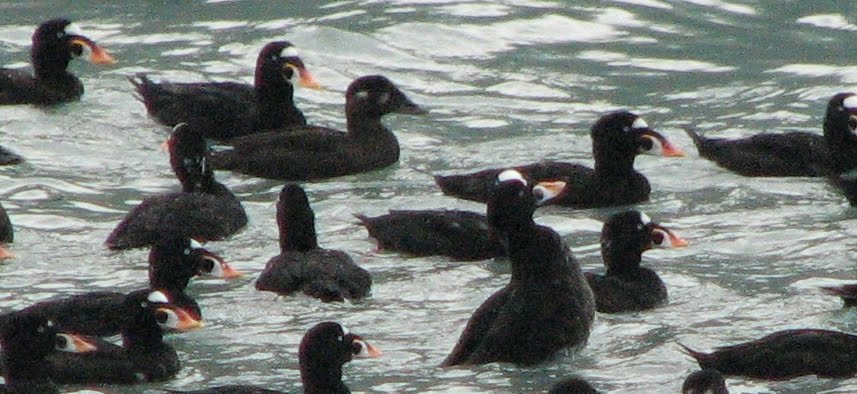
[639, 124]
[850, 102]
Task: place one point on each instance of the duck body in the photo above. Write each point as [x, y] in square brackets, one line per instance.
[706, 381]
[7, 234]
[614, 293]
[53, 48]
[310, 153]
[785, 355]
[547, 305]
[95, 313]
[234, 389]
[617, 138]
[204, 210]
[794, 153]
[770, 155]
[461, 235]
[224, 110]
[329, 275]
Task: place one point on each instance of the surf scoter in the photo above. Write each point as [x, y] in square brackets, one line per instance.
[311, 152]
[626, 286]
[572, 386]
[143, 356]
[617, 138]
[794, 153]
[547, 305]
[224, 110]
[324, 349]
[204, 210]
[330, 275]
[27, 341]
[55, 43]
[785, 355]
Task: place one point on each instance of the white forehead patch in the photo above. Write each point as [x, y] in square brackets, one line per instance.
[194, 244]
[73, 28]
[850, 102]
[344, 330]
[157, 296]
[509, 175]
[639, 124]
[645, 219]
[289, 51]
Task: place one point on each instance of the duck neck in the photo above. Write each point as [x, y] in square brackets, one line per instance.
[143, 333]
[23, 366]
[620, 259]
[297, 231]
[324, 377]
[170, 265]
[51, 62]
[275, 97]
[532, 249]
[841, 142]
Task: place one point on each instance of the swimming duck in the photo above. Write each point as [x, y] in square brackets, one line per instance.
[55, 43]
[312, 152]
[224, 110]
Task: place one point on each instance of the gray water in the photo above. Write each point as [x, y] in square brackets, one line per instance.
[507, 82]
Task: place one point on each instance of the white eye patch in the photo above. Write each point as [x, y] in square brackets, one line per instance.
[289, 51]
[645, 219]
[850, 102]
[157, 296]
[639, 124]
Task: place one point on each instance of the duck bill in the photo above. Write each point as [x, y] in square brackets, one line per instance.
[98, 55]
[368, 351]
[227, 272]
[667, 148]
[673, 240]
[545, 192]
[305, 78]
[184, 320]
[404, 105]
[72, 343]
[5, 254]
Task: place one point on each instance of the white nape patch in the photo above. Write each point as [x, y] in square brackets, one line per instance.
[345, 330]
[511, 175]
[157, 296]
[73, 28]
[850, 102]
[645, 219]
[289, 51]
[362, 94]
[194, 244]
[639, 124]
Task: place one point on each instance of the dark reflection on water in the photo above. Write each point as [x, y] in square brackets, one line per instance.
[507, 83]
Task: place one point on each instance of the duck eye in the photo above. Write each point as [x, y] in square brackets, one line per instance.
[646, 144]
[356, 347]
[657, 237]
[207, 265]
[62, 343]
[161, 317]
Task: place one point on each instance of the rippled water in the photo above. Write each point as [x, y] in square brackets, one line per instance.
[507, 82]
